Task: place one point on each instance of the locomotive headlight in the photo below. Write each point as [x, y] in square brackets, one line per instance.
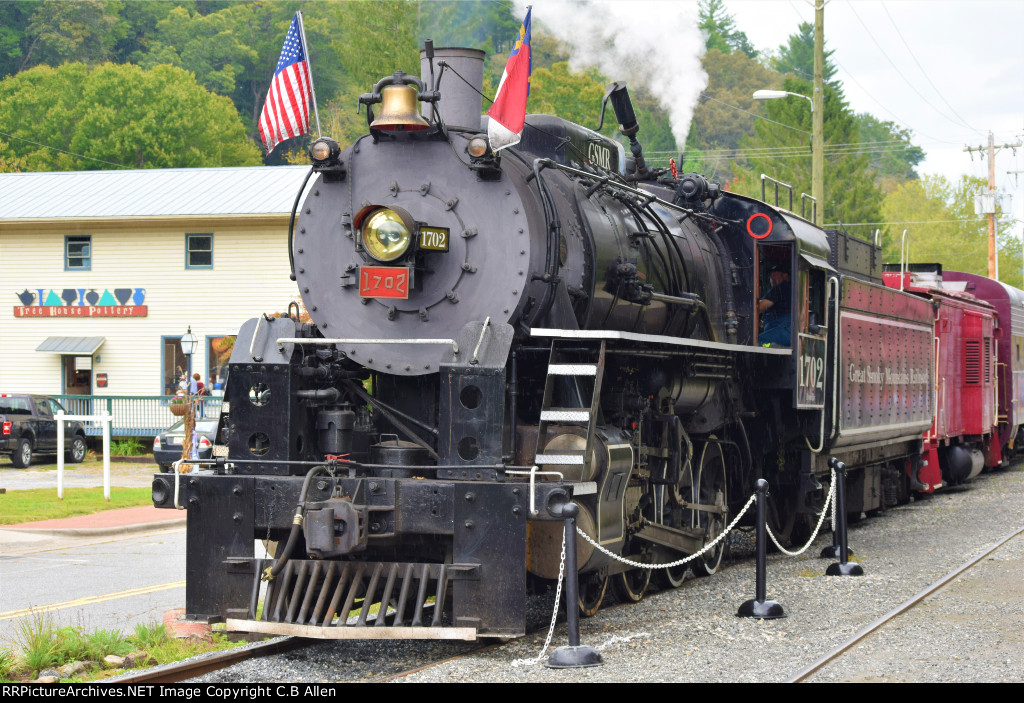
[385, 236]
[324, 150]
[477, 147]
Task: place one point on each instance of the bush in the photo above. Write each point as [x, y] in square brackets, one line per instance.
[127, 447]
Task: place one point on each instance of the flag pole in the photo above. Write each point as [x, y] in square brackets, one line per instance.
[309, 64]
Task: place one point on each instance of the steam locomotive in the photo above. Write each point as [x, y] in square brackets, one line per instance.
[494, 335]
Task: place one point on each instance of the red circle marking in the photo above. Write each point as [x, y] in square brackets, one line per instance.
[751, 219]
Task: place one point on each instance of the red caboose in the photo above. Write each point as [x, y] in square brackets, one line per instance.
[1009, 306]
[963, 437]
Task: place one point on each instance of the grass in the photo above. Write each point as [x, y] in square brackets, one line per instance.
[40, 645]
[42, 503]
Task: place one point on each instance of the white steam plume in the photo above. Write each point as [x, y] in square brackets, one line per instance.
[646, 42]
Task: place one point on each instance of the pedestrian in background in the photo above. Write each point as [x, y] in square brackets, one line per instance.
[198, 390]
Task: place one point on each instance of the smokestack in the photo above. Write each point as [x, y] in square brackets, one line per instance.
[460, 104]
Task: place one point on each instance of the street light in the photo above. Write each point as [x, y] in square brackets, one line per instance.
[189, 342]
[817, 152]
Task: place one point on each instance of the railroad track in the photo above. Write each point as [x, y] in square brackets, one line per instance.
[197, 666]
[907, 605]
[957, 528]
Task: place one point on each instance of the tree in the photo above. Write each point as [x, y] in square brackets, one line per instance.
[781, 149]
[73, 30]
[796, 56]
[117, 116]
[888, 146]
[489, 26]
[727, 110]
[719, 28]
[942, 227]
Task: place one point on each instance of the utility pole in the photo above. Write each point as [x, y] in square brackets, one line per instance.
[818, 117]
[989, 206]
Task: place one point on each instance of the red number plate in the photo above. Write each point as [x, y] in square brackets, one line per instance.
[384, 282]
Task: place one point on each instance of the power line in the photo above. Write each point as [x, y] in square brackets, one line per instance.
[70, 153]
[866, 92]
[897, 69]
[752, 114]
[923, 72]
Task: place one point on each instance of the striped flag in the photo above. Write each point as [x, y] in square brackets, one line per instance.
[508, 113]
[286, 110]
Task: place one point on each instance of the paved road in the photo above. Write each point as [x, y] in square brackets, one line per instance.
[95, 578]
[92, 582]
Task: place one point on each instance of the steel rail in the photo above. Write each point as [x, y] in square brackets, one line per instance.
[197, 666]
[899, 610]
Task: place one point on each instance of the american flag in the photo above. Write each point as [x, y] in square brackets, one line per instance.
[286, 110]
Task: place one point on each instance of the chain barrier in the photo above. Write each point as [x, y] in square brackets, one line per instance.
[829, 502]
[671, 565]
[554, 614]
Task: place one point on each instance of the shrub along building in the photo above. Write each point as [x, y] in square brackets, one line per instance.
[105, 271]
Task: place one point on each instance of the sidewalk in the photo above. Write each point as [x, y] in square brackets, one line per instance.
[122, 521]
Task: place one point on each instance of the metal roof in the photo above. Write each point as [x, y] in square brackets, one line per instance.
[85, 346]
[171, 192]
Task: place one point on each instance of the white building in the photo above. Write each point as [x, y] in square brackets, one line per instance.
[104, 271]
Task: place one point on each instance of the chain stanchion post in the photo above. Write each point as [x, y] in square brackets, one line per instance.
[575, 655]
[832, 551]
[843, 567]
[760, 607]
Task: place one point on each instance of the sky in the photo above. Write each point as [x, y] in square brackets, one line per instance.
[948, 70]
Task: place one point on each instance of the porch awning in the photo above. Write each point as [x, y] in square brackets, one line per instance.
[79, 346]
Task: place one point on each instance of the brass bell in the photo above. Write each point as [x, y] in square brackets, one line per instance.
[398, 110]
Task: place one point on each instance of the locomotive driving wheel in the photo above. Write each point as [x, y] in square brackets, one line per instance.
[630, 586]
[592, 589]
[710, 512]
[676, 515]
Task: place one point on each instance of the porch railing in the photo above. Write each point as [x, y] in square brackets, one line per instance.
[133, 415]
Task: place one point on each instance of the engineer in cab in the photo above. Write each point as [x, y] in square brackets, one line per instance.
[774, 309]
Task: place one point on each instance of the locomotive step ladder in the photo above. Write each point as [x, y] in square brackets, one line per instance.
[572, 397]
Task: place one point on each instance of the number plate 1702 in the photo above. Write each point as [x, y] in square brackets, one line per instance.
[384, 282]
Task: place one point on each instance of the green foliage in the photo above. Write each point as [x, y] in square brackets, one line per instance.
[942, 227]
[36, 636]
[727, 110]
[74, 644]
[148, 637]
[490, 26]
[572, 96]
[73, 30]
[888, 146]
[7, 663]
[796, 56]
[127, 447]
[117, 116]
[14, 42]
[719, 28]
[784, 153]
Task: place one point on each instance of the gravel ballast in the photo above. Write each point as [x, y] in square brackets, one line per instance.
[971, 630]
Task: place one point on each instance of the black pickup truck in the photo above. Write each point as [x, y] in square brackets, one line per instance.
[28, 425]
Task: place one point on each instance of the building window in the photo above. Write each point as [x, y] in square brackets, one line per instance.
[199, 251]
[78, 253]
[218, 353]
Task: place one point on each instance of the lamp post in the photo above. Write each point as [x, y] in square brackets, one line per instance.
[189, 342]
[817, 144]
